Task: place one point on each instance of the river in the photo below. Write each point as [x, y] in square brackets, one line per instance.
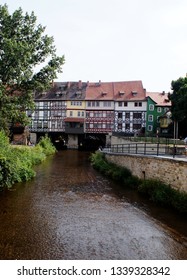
[70, 211]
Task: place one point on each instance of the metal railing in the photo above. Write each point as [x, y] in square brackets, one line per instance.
[146, 149]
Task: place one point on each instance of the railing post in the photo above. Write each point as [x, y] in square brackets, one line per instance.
[157, 148]
[174, 150]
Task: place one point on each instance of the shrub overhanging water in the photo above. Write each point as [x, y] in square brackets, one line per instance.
[16, 162]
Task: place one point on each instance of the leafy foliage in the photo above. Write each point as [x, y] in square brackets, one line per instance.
[16, 162]
[111, 170]
[46, 145]
[179, 99]
[163, 194]
[155, 190]
[23, 47]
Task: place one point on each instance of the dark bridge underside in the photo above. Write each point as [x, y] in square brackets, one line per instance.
[86, 142]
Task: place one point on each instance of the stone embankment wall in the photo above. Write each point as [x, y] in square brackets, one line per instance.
[169, 171]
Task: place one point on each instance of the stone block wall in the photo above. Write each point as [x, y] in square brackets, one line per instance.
[170, 171]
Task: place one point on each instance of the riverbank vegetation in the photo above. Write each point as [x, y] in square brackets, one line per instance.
[155, 190]
[16, 162]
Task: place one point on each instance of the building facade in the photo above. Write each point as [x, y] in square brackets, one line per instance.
[76, 111]
[158, 105]
[130, 107]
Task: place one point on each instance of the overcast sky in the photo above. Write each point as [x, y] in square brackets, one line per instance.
[116, 40]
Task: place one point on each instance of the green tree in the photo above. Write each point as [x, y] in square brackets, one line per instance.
[24, 47]
[179, 99]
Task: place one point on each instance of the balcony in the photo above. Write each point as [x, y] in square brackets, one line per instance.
[74, 125]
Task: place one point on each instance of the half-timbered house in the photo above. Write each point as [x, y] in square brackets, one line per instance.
[130, 107]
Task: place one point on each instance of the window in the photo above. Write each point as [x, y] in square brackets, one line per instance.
[45, 104]
[119, 115]
[39, 125]
[136, 126]
[120, 103]
[150, 118]
[125, 104]
[119, 126]
[45, 114]
[78, 114]
[127, 115]
[36, 114]
[45, 124]
[137, 115]
[59, 124]
[106, 103]
[127, 126]
[77, 103]
[150, 128]
[71, 113]
[138, 104]
[82, 114]
[93, 104]
[53, 125]
[159, 109]
[166, 109]
[35, 124]
[151, 107]
[109, 114]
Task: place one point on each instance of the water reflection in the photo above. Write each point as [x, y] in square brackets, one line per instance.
[69, 211]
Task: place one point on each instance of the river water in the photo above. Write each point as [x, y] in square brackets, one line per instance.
[70, 211]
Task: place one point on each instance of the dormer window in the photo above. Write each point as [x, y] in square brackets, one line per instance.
[78, 93]
[58, 93]
[104, 93]
[121, 92]
[134, 93]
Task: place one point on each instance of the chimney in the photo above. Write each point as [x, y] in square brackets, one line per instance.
[80, 84]
[68, 85]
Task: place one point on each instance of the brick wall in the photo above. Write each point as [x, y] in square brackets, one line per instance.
[169, 171]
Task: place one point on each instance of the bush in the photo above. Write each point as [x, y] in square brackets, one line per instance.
[46, 145]
[16, 162]
[155, 190]
[163, 194]
[111, 170]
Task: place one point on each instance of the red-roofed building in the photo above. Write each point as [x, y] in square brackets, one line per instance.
[130, 107]
[115, 106]
[77, 111]
[99, 108]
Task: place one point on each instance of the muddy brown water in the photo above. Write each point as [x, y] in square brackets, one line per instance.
[70, 211]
